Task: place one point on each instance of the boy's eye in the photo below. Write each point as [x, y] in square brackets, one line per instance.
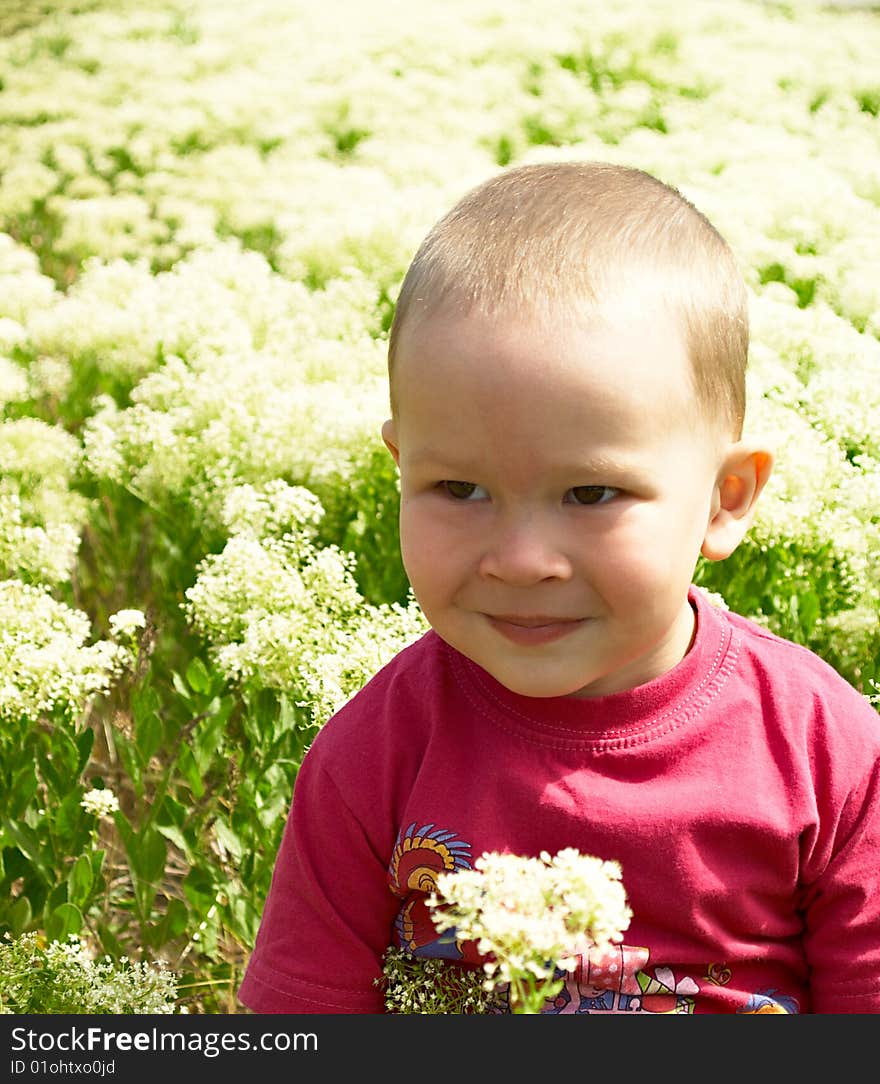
[592, 494]
[463, 491]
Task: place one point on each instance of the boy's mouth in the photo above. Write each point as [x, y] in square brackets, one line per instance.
[532, 630]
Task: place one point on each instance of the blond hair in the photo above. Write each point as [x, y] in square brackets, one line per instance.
[536, 237]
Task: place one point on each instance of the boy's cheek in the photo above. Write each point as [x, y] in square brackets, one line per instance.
[421, 549]
[414, 535]
[429, 550]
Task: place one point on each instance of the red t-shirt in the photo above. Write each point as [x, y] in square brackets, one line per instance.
[740, 793]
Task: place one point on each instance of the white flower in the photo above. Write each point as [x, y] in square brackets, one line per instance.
[74, 979]
[283, 614]
[100, 803]
[127, 622]
[532, 915]
[13, 382]
[45, 663]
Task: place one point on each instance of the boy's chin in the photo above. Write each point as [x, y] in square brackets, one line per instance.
[540, 686]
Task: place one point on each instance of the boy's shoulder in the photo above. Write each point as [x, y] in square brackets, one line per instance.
[790, 671]
[762, 642]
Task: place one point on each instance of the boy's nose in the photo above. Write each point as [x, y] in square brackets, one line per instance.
[523, 554]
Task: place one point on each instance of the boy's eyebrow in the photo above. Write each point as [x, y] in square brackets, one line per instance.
[429, 455]
[595, 464]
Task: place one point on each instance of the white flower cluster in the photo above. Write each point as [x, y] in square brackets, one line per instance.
[127, 623]
[44, 552]
[220, 299]
[24, 293]
[100, 802]
[40, 516]
[812, 397]
[269, 143]
[273, 510]
[428, 986]
[36, 977]
[13, 382]
[250, 385]
[530, 916]
[282, 613]
[46, 664]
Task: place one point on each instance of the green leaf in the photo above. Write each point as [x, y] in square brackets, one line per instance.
[207, 740]
[200, 890]
[63, 921]
[152, 852]
[19, 915]
[242, 915]
[108, 940]
[180, 685]
[288, 716]
[57, 896]
[22, 789]
[273, 810]
[130, 758]
[170, 811]
[147, 852]
[80, 880]
[186, 765]
[85, 740]
[172, 819]
[96, 858]
[145, 700]
[172, 924]
[148, 734]
[174, 835]
[28, 842]
[71, 822]
[809, 610]
[197, 676]
[126, 832]
[228, 838]
[59, 763]
[146, 709]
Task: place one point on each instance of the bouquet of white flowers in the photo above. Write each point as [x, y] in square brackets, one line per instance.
[530, 919]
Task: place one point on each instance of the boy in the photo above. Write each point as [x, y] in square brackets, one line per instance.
[567, 389]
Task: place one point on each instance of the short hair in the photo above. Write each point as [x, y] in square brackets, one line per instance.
[536, 236]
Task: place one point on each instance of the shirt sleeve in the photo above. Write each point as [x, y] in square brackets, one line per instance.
[329, 913]
[842, 904]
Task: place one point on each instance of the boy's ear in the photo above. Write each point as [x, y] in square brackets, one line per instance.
[743, 475]
[389, 435]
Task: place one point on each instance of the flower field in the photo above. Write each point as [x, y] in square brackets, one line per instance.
[206, 210]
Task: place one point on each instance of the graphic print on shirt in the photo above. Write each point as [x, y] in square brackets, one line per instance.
[769, 1001]
[416, 860]
[615, 980]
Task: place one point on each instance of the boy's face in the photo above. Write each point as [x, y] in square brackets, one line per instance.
[556, 487]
